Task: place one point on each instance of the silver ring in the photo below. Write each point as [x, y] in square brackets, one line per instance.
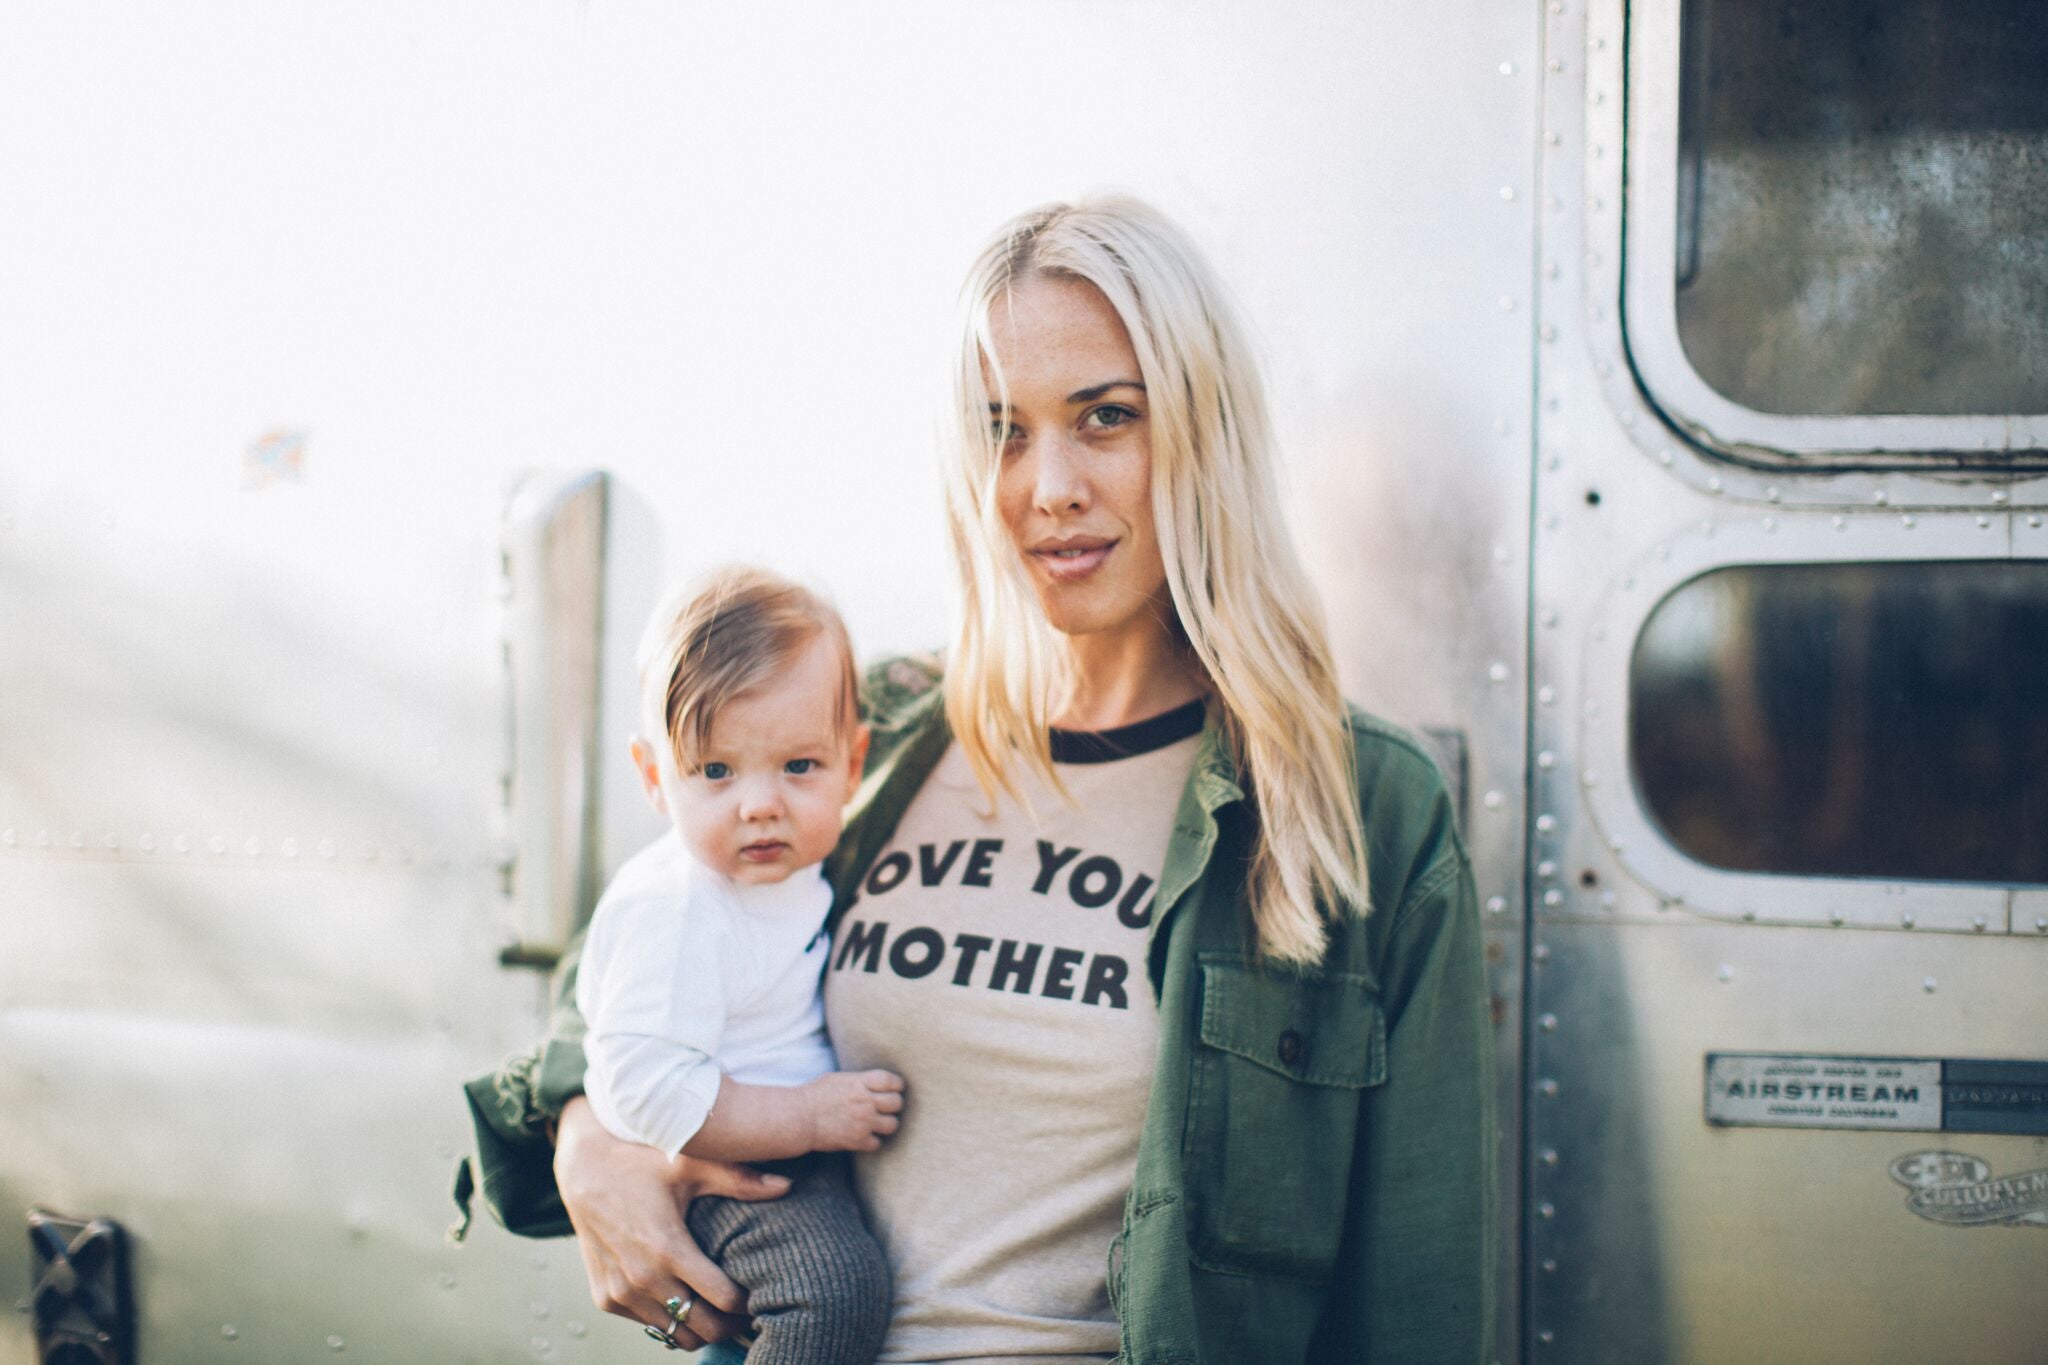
[665, 1338]
[679, 1307]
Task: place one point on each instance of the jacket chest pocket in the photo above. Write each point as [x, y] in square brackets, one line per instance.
[1273, 1114]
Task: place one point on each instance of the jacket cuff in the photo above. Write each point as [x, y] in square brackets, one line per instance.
[514, 1164]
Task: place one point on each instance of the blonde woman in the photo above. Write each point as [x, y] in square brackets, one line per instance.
[1177, 954]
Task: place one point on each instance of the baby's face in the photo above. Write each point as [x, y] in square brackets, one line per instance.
[771, 785]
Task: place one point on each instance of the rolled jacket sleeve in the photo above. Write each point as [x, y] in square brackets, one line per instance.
[510, 1109]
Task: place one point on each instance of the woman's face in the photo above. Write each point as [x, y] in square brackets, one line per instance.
[1075, 488]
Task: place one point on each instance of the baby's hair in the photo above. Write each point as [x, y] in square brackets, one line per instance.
[722, 637]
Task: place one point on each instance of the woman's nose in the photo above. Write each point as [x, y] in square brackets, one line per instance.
[1059, 483]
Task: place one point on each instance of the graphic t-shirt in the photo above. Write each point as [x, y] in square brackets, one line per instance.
[998, 964]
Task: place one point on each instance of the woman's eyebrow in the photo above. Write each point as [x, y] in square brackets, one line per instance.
[1087, 395]
[1090, 395]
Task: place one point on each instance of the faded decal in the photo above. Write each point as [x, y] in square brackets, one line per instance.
[274, 457]
[1958, 1189]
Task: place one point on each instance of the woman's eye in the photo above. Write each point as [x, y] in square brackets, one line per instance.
[800, 766]
[717, 771]
[1111, 415]
[1002, 433]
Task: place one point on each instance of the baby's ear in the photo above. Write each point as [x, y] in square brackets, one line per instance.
[649, 769]
[857, 759]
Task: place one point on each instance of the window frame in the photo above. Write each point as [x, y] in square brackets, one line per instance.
[1715, 423]
[1621, 816]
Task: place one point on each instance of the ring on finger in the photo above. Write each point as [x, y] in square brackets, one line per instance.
[665, 1338]
[679, 1307]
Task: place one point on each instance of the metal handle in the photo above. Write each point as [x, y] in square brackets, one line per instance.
[554, 548]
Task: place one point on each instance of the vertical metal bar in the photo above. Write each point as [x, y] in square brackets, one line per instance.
[554, 543]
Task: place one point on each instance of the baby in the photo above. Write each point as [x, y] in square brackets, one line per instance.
[700, 973]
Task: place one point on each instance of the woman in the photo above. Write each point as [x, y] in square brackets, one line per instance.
[1179, 957]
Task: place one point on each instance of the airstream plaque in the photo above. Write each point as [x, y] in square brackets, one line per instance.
[1773, 1091]
[1785, 1090]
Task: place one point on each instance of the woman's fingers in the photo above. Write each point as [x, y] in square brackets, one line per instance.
[714, 1290]
[637, 1251]
[690, 1177]
[729, 1181]
[708, 1324]
[655, 1315]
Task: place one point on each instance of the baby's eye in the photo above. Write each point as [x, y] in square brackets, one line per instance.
[717, 771]
[800, 766]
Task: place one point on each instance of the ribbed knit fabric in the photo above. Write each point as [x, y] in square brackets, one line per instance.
[817, 1284]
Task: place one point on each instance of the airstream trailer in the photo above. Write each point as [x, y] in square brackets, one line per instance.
[1665, 390]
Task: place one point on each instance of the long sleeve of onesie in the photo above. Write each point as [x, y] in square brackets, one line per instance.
[652, 987]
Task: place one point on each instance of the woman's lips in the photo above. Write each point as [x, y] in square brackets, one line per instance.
[1068, 563]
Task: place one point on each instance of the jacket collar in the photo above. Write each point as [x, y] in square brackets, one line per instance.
[1212, 785]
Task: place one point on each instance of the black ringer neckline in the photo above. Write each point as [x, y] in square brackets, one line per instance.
[1129, 741]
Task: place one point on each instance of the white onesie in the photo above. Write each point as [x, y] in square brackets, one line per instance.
[687, 974]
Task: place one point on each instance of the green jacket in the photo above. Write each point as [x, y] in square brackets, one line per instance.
[1315, 1177]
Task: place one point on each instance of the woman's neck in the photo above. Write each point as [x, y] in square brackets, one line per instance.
[1120, 677]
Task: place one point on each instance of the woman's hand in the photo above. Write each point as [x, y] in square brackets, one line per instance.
[627, 1202]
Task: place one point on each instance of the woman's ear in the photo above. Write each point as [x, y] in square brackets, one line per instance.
[856, 760]
[649, 769]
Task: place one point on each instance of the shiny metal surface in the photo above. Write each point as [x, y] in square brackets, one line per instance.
[276, 351]
[251, 846]
[554, 643]
[1652, 1236]
[1674, 1241]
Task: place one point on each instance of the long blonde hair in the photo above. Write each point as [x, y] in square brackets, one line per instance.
[1245, 607]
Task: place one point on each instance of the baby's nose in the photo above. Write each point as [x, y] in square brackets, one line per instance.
[760, 802]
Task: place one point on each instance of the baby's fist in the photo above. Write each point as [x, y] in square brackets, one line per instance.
[852, 1111]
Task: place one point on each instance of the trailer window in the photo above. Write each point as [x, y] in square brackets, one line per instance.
[1862, 219]
[1858, 720]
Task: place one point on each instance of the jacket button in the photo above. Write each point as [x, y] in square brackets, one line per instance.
[1291, 1048]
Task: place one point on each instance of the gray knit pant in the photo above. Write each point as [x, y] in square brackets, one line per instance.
[817, 1285]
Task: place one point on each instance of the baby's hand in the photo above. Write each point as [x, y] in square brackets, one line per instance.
[852, 1111]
